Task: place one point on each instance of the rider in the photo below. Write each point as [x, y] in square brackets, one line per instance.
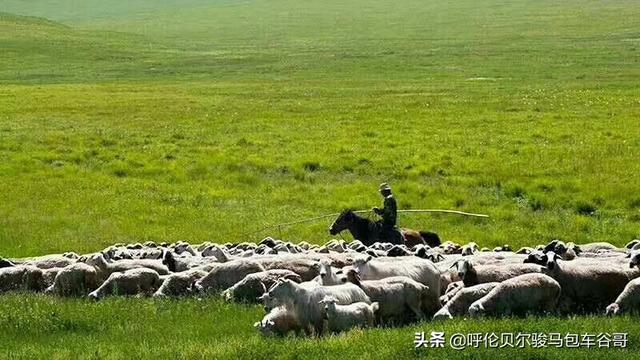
[388, 213]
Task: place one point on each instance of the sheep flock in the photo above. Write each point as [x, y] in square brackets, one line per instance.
[312, 290]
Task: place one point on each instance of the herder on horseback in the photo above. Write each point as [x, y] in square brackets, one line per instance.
[383, 230]
[387, 229]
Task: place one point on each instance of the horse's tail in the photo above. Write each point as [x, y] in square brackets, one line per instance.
[432, 239]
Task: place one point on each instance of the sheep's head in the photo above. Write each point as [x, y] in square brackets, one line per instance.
[536, 257]
[442, 314]
[552, 259]
[97, 260]
[613, 309]
[282, 289]
[329, 303]
[464, 267]
[476, 310]
[359, 262]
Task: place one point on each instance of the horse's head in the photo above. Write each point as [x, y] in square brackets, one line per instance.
[342, 222]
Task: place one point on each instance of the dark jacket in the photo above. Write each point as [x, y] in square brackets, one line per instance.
[389, 213]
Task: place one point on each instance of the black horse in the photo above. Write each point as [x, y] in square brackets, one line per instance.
[370, 232]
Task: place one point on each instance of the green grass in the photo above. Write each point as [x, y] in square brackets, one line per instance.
[208, 120]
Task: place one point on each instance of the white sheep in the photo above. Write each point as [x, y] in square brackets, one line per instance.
[537, 293]
[327, 275]
[458, 304]
[21, 277]
[105, 268]
[50, 261]
[394, 295]
[180, 283]
[130, 282]
[345, 317]
[308, 269]
[227, 274]
[254, 285]
[420, 270]
[74, 280]
[479, 274]
[278, 322]
[628, 301]
[304, 303]
[587, 287]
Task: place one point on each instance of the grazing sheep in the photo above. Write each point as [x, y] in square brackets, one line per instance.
[49, 275]
[304, 303]
[21, 277]
[50, 261]
[105, 268]
[598, 247]
[479, 274]
[628, 301]
[420, 270]
[458, 304]
[180, 284]
[130, 282]
[587, 287]
[452, 289]
[537, 293]
[278, 322]
[254, 285]
[345, 317]
[394, 295]
[307, 269]
[227, 274]
[182, 263]
[74, 280]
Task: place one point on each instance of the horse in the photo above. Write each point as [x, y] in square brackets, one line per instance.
[368, 231]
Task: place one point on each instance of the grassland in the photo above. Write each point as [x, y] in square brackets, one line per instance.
[208, 120]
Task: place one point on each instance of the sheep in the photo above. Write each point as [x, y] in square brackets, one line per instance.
[183, 247]
[278, 322]
[598, 247]
[130, 282]
[254, 285]
[628, 301]
[394, 295]
[533, 292]
[181, 263]
[74, 280]
[50, 261]
[327, 275]
[420, 270]
[452, 289]
[479, 274]
[345, 317]
[225, 275]
[180, 284]
[21, 277]
[469, 249]
[49, 275]
[304, 303]
[459, 303]
[587, 287]
[307, 269]
[105, 268]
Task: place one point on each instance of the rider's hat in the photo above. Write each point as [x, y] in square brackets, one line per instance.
[385, 186]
